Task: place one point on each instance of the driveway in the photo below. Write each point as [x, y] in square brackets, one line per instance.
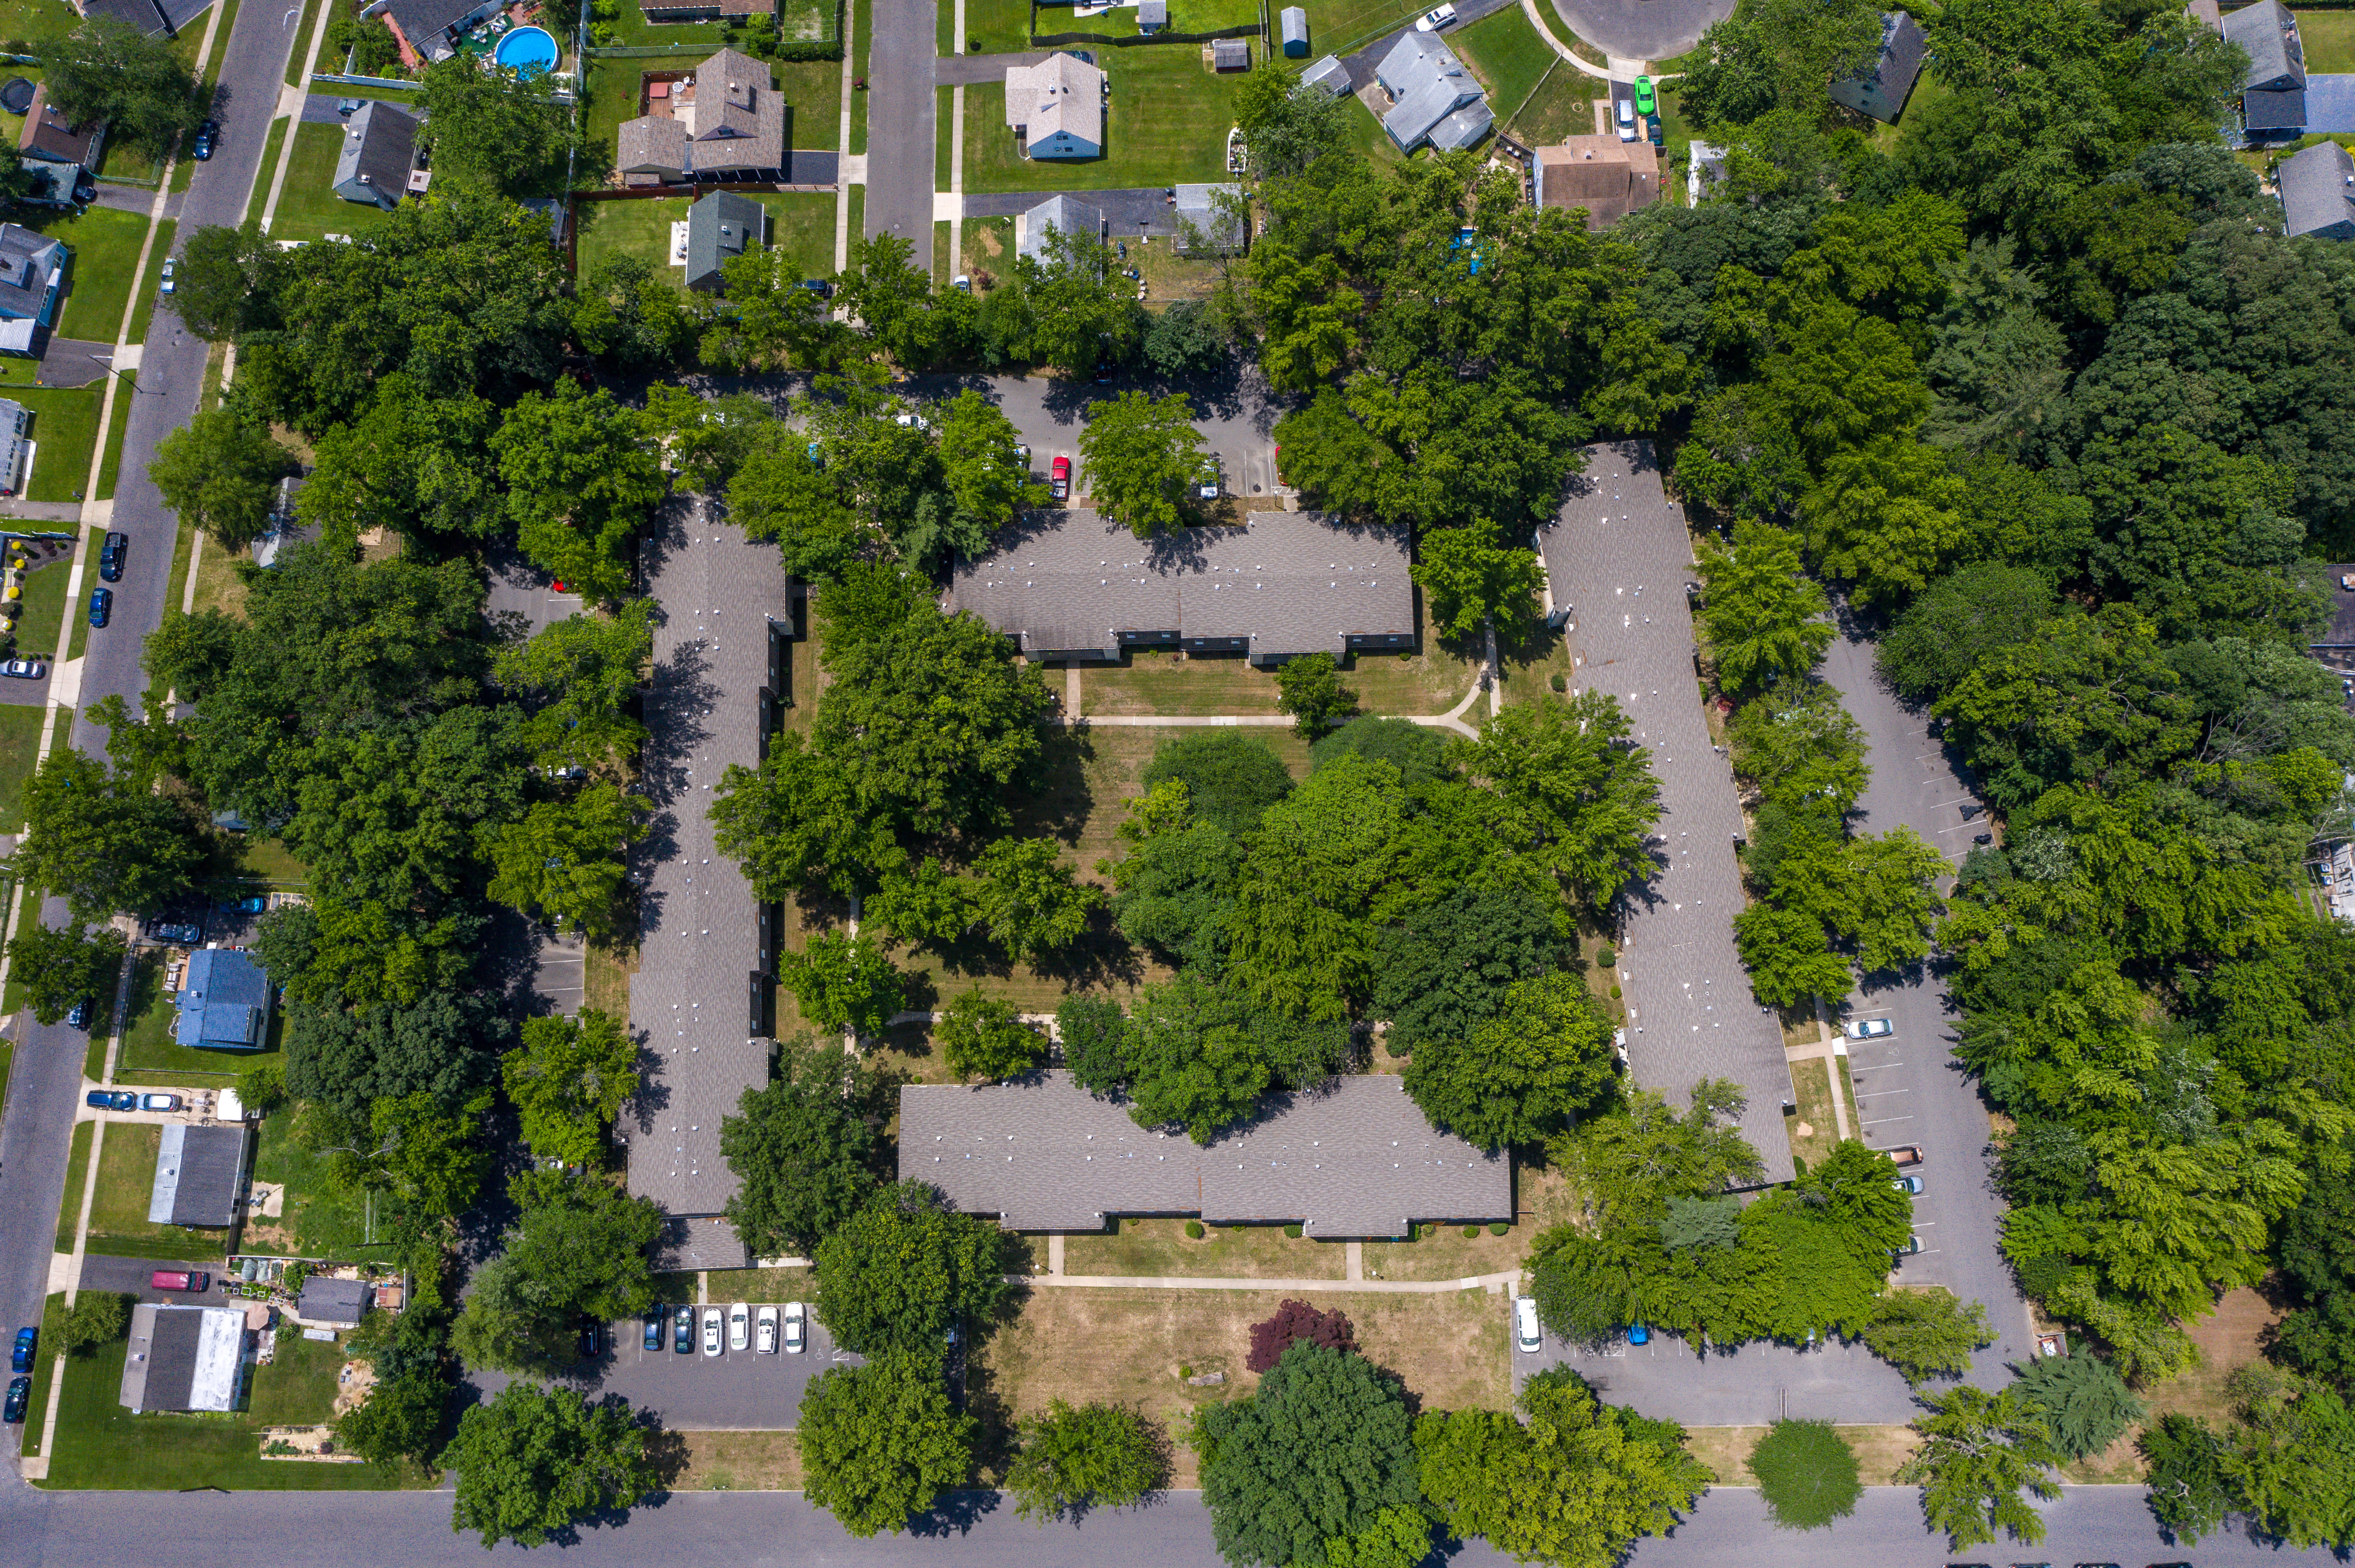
[1643, 29]
[76, 361]
[1908, 1087]
[131, 1276]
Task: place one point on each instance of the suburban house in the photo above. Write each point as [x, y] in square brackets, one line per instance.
[199, 1172]
[32, 272]
[720, 227]
[15, 447]
[343, 1301]
[709, 946]
[1152, 15]
[2318, 192]
[725, 121]
[1328, 74]
[431, 27]
[184, 1357]
[1608, 177]
[1216, 214]
[1294, 20]
[708, 10]
[1075, 585]
[1433, 97]
[379, 151]
[224, 1002]
[1055, 108]
[1881, 93]
[49, 138]
[1355, 1160]
[1068, 213]
[2273, 95]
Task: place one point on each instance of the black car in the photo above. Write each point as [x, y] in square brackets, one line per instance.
[655, 1316]
[79, 1017]
[683, 1341]
[818, 286]
[20, 1392]
[109, 557]
[85, 189]
[592, 1340]
[101, 605]
[207, 134]
[112, 1099]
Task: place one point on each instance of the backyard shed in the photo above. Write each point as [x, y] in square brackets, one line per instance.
[1230, 54]
[1152, 15]
[335, 1300]
[1294, 22]
[1328, 74]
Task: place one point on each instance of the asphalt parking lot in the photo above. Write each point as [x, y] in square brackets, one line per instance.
[736, 1391]
[1668, 1379]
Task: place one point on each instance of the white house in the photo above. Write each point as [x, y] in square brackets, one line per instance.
[1056, 107]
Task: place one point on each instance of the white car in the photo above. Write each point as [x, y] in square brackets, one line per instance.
[171, 281]
[764, 1338]
[1431, 21]
[711, 1330]
[159, 1102]
[740, 1323]
[1626, 120]
[917, 421]
[1867, 1028]
[1527, 1335]
[1909, 1185]
[796, 1328]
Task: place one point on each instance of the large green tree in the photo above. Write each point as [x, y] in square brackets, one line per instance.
[569, 1080]
[1979, 1451]
[58, 968]
[100, 843]
[806, 1148]
[579, 1248]
[1070, 1461]
[102, 71]
[1139, 456]
[879, 1442]
[580, 479]
[898, 1274]
[1521, 1074]
[1764, 620]
[564, 857]
[533, 1462]
[489, 126]
[219, 472]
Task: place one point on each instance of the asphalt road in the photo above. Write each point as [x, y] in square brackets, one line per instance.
[44, 1077]
[900, 123]
[1908, 1087]
[1643, 29]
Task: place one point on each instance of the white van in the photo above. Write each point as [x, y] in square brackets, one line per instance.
[1525, 1332]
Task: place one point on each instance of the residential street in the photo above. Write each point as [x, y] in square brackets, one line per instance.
[899, 116]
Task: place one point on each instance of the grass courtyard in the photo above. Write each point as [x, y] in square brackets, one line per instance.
[20, 740]
[1506, 53]
[309, 208]
[105, 246]
[1166, 124]
[802, 226]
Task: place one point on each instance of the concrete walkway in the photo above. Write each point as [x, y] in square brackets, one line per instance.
[1494, 1284]
[1537, 20]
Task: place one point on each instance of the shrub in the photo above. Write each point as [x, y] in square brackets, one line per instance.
[1294, 1323]
[1193, 1230]
[96, 1318]
[1561, 683]
[1806, 1472]
[2084, 1401]
[1499, 1227]
[1471, 1231]
[1292, 1231]
[1615, 993]
[1607, 955]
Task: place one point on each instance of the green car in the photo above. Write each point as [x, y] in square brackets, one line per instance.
[1645, 103]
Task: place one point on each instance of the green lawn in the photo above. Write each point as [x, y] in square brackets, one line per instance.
[1003, 27]
[65, 427]
[39, 628]
[20, 741]
[144, 312]
[813, 92]
[318, 1221]
[863, 22]
[309, 208]
[1167, 124]
[299, 55]
[1341, 27]
[148, 1047]
[20, 20]
[1506, 53]
[105, 244]
[800, 224]
[110, 470]
[2329, 40]
[76, 631]
[102, 1445]
[1564, 107]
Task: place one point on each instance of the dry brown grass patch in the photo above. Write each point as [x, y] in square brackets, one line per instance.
[1726, 1451]
[730, 1461]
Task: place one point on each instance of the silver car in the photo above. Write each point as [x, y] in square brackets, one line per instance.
[711, 1330]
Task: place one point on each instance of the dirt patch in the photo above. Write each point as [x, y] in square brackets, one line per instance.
[1726, 1451]
[2228, 1338]
[729, 1461]
[1136, 1348]
[352, 1385]
[1161, 1247]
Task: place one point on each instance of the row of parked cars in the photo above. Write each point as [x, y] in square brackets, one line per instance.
[739, 1326]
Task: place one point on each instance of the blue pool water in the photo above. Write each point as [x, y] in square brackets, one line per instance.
[529, 50]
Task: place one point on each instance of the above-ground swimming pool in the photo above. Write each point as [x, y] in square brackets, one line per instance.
[529, 50]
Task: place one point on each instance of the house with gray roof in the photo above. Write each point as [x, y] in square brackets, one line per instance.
[32, 272]
[1433, 98]
[184, 1358]
[1880, 93]
[2318, 192]
[1055, 108]
[200, 1171]
[1211, 219]
[720, 227]
[1075, 585]
[1069, 214]
[1328, 74]
[2272, 94]
[379, 149]
[335, 1300]
[726, 121]
[1355, 1158]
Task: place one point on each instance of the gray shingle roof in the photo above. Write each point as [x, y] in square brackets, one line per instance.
[182, 1357]
[1428, 84]
[2267, 34]
[721, 226]
[1329, 73]
[2315, 193]
[701, 943]
[653, 143]
[1881, 93]
[335, 1301]
[1285, 583]
[1355, 1160]
[1619, 542]
[380, 148]
[1069, 214]
[198, 1170]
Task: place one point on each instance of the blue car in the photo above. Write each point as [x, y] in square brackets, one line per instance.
[655, 1319]
[79, 1017]
[21, 1358]
[20, 1391]
[101, 605]
[1637, 1334]
[112, 1099]
[253, 905]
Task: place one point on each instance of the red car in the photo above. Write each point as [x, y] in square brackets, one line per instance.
[1058, 480]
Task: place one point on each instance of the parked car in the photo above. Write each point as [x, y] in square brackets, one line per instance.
[962, 283]
[1207, 483]
[684, 1343]
[1909, 1185]
[1867, 1028]
[1626, 120]
[1912, 1244]
[1647, 101]
[711, 1330]
[1638, 1335]
[252, 905]
[1431, 21]
[20, 1390]
[21, 1358]
[112, 1099]
[740, 1326]
[916, 421]
[207, 134]
[1059, 479]
[190, 1280]
[818, 286]
[109, 557]
[101, 605]
[79, 1017]
[764, 1332]
[796, 1328]
[169, 283]
[655, 1316]
[1527, 1336]
[592, 1338]
[180, 933]
[24, 668]
[347, 107]
[159, 1102]
[1654, 131]
[1902, 1155]
[1022, 456]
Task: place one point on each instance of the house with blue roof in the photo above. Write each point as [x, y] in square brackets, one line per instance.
[224, 1002]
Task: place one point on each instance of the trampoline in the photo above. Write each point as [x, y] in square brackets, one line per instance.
[16, 95]
[529, 51]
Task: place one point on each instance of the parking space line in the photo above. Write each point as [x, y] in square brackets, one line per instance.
[1878, 1121]
[1878, 1094]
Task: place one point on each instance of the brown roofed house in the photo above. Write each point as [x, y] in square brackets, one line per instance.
[651, 151]
[48, 136]
[1608, 177]
[727, 121]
